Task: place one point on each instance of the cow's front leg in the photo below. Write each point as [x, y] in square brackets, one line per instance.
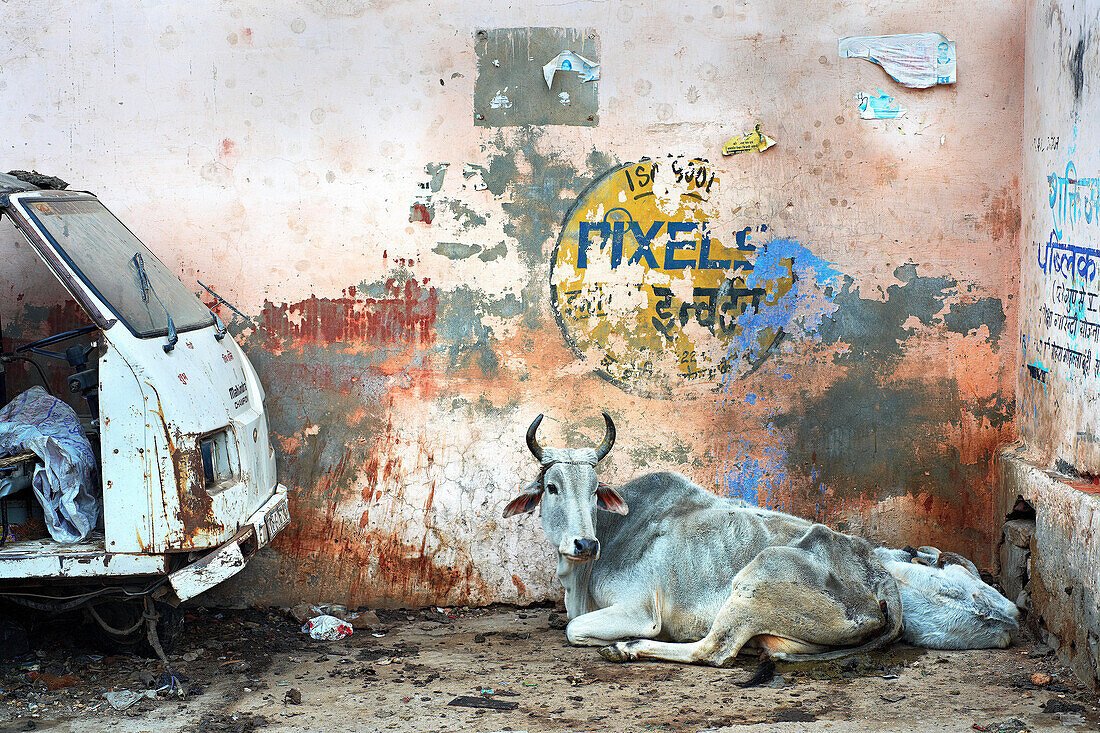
[611, 624]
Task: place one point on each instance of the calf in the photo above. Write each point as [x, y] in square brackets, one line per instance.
[945, 604]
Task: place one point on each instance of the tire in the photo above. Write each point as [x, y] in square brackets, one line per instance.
[123, 614]
[14, 640]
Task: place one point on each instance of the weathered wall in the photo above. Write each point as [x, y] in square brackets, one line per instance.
[388, 256]
[1056, 465]
[1059, 374]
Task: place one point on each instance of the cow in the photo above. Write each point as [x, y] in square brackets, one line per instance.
[945, 603]
[669, 571]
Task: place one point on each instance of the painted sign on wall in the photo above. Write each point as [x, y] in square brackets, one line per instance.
[645, 281]
[1069, 314]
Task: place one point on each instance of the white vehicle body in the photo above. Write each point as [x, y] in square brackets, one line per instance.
[188, 472]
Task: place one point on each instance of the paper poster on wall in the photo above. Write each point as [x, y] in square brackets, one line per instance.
[569, 61]
[917, 60]
[747, 143]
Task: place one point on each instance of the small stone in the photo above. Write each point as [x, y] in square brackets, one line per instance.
[1040, 678]
[1019, 531]
[338, 610]
[301, 612]
[293, 696]
[1053, 707]
[365, 619]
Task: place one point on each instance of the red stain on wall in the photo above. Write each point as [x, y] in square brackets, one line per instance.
[1003, 217]
[382, 467]
[420, 212]
[373, 567]
[406, 314]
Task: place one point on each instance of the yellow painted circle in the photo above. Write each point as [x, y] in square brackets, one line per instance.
[644, 281]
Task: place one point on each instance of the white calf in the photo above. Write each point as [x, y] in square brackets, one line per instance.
[945, 603]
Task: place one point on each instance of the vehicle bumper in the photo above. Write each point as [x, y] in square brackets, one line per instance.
[230, 558]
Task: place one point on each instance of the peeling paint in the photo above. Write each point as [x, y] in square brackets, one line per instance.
[404, 313]
[879, 328]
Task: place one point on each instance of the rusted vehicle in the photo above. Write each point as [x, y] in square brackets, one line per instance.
[175, 417]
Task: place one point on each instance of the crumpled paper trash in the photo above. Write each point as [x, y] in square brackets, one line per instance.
[359, 620]
[123, 699]
[327, 628]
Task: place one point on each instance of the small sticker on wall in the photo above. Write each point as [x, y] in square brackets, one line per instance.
[755, 141]
[881, 107]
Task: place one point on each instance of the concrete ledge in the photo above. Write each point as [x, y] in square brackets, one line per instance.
[1063, 580]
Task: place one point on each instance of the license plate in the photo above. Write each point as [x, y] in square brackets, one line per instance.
[276, 519]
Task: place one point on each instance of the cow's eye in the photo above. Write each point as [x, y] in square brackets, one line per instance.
[551, 489]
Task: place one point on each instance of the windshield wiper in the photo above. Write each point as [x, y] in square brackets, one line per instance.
[219, 327]
[146, 288]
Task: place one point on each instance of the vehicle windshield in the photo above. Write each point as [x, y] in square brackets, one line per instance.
[102, 250]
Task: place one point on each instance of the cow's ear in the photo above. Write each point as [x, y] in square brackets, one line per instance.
[609, 499]
[524, 503]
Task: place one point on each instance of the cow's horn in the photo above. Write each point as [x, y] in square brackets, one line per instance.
[532, 441]
[608, 438]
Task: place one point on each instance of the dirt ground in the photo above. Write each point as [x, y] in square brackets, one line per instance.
[255, 670]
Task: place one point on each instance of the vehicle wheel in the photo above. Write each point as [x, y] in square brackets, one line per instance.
[127, 615]
[14, 641]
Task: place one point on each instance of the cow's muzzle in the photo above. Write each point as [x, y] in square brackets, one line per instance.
[583, 550]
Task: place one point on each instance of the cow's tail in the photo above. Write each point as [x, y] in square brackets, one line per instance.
[763, 674]
[891, 608]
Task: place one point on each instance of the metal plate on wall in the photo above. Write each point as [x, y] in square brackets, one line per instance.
[510, 87]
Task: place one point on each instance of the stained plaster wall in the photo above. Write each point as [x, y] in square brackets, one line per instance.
[1056, 463]
[309, 163]
[1059, 374]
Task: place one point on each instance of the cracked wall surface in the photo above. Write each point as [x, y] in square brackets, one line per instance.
[390, 264]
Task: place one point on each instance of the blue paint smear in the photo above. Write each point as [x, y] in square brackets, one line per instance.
[752, 479]
[798, 313]
[741, 480]
[803, 302]
[769, 264]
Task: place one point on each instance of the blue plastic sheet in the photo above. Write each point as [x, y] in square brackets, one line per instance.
[65, 483]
